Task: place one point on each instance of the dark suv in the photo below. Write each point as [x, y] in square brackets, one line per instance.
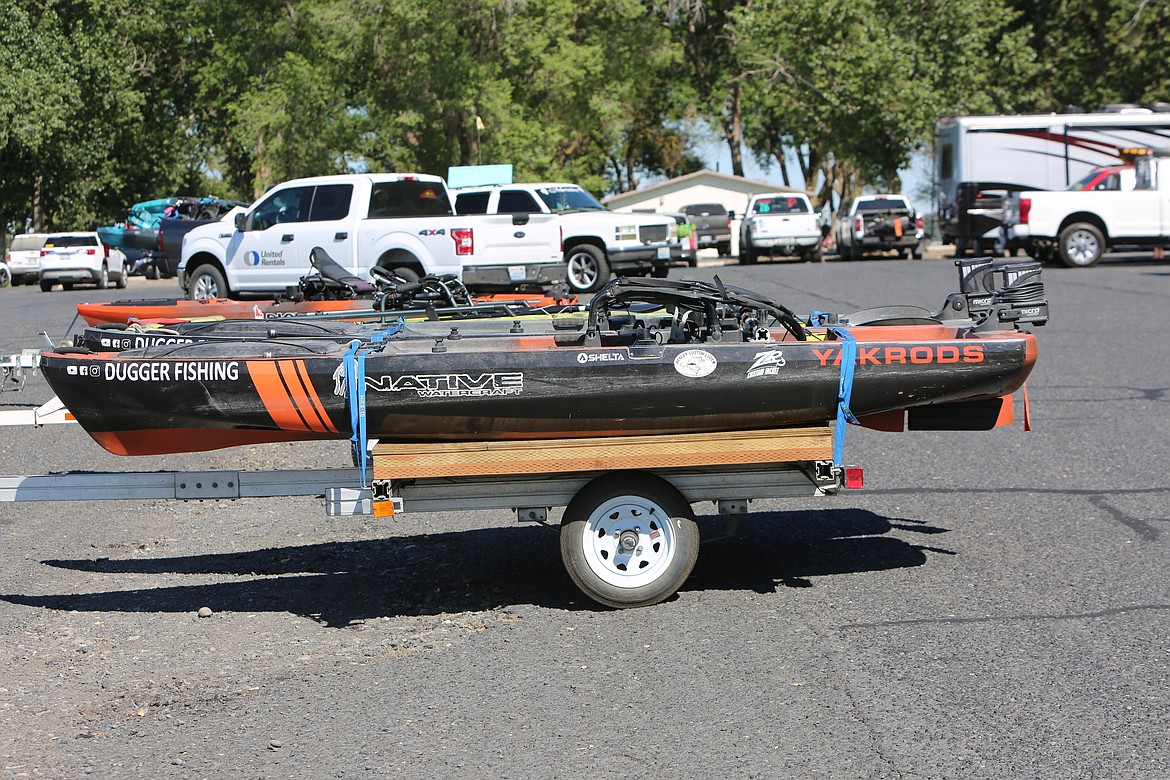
[712, 223]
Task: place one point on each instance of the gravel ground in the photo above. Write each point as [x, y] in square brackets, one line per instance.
[993, 605]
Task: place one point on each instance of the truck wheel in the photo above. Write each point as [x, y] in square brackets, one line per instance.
[46, 286]
[103, 280]
[1081, 245]
[747, 255]
[724, 249]
[123, 278]
[629, 540]
[585, 268]
[660, 271]
[206, 282]
[5, 276]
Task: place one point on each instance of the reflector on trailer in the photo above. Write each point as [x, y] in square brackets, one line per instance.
[854, 478]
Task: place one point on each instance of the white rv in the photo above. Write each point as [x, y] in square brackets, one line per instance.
[980, 161]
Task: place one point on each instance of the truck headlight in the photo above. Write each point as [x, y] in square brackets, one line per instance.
[627, 233]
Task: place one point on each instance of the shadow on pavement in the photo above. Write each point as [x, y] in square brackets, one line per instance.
[341, 583]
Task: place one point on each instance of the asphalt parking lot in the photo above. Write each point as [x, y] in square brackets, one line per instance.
[992, 605]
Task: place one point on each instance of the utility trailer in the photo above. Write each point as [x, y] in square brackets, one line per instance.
[628, 534]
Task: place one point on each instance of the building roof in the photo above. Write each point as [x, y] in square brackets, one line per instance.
[705, 177]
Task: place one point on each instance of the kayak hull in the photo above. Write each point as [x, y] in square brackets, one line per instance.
[209, 395]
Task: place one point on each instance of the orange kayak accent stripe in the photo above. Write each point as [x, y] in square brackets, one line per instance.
[274, 396]
[296, 381]
[311, 391]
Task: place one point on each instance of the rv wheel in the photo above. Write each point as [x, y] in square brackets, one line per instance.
[1081, 245]
[629, 540]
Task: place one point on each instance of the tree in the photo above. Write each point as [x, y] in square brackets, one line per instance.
[853, 88]
[710, 45]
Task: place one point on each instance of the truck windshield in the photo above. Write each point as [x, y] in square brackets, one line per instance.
[409, 199]
[563, 199]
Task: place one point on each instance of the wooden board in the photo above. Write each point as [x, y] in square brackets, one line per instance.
[551, 456]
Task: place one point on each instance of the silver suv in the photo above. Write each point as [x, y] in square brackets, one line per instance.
[81, 258]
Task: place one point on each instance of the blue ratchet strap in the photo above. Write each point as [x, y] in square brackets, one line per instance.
[844, 391]
[394, 329]
[355, 380]
[815, 318]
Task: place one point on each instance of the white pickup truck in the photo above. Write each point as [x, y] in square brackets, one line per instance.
[1079, 226]
[403, 222]
[779, 224]
[597, 241]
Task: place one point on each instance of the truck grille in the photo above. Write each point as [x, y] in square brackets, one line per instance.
[652, 234]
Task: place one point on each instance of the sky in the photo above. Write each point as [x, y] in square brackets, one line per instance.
[716, 156]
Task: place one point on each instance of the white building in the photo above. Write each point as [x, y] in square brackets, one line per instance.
[705, 186]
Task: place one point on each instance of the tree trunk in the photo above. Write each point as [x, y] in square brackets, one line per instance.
[38, 206]
[733, 128]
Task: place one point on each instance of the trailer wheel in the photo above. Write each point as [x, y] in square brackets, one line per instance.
[1081, 245]
[629, 540]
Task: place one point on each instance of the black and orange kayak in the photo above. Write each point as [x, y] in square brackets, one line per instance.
[655, 356]
[175, 310]
[330, 291]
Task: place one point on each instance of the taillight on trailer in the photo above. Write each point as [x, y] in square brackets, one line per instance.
[854, 477]
[1025, 210]
[464, 241]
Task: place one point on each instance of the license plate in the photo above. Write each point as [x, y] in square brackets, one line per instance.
[517, 273]
[663, 253]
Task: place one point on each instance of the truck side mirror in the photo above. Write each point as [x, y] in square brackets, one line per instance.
[242, 221]
[730, 216]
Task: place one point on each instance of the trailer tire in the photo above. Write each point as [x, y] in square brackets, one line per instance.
[1081, 245]
[629, 539]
